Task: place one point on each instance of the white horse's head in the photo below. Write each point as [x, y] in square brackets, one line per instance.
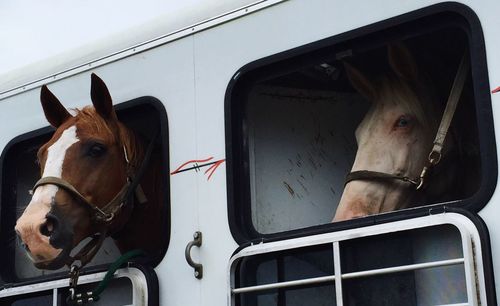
[395, 136]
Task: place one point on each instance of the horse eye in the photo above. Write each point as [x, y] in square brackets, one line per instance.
[96, 150]
[402, 122]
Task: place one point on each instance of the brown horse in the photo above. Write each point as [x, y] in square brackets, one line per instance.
[395, 136]
[84, 167]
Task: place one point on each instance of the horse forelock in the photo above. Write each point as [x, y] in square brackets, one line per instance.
[90, 124]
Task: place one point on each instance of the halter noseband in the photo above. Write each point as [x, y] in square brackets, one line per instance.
[435, 154]
[104, 215]
[380, 176]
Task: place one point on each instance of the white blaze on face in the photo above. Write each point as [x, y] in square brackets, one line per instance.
[53, 165]
[35, 213]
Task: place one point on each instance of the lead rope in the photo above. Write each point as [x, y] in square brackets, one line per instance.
[451, 105]
[435, 154]
[75, 298]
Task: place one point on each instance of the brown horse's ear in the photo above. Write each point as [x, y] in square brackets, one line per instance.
[402, 62]
[360, 82]
[101, 99]
[54, 111]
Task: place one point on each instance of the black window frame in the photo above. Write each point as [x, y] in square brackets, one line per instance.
[7, 271]
[239, 205]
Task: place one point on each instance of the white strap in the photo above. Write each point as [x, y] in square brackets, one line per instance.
[451, 105]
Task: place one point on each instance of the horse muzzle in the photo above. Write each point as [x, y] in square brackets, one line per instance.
[47, 238]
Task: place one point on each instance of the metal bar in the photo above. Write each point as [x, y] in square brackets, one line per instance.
[331, 278]
[470, 275]
[54, 297]
[300, 282]
[338, 274]
[419, 266]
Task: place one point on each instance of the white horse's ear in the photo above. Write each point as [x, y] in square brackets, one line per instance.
[360, 82]
[402, 62]
[101, 99]
[54, 111]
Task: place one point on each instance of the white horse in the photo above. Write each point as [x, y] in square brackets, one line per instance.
[395, 137]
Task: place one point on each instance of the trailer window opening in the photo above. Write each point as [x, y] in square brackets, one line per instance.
[421, 266]
[292, 124]
[126, 288]
[20, 172]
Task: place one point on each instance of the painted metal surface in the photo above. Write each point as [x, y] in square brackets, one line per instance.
[189, 74]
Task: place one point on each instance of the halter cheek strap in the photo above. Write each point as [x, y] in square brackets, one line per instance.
[435, 154]
[103, 216]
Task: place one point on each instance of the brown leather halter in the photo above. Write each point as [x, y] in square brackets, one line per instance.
[104, 216]
[435, 154]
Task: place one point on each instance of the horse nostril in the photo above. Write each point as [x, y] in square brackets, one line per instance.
[48, 228]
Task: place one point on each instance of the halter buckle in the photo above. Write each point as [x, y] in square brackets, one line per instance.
[415, 182]
[434, 157]
[110, 217]
[423, 174]
[420, 184]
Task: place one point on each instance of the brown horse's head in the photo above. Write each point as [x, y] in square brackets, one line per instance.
[395, 136]
[89, 151]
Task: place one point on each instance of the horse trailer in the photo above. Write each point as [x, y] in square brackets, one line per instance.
[257, 104]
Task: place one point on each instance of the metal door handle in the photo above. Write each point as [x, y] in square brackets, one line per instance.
[198, 268]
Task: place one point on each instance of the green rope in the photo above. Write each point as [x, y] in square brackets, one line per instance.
[112, 269]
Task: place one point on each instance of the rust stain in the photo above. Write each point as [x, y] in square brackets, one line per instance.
[496, 90]
[290, 190]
